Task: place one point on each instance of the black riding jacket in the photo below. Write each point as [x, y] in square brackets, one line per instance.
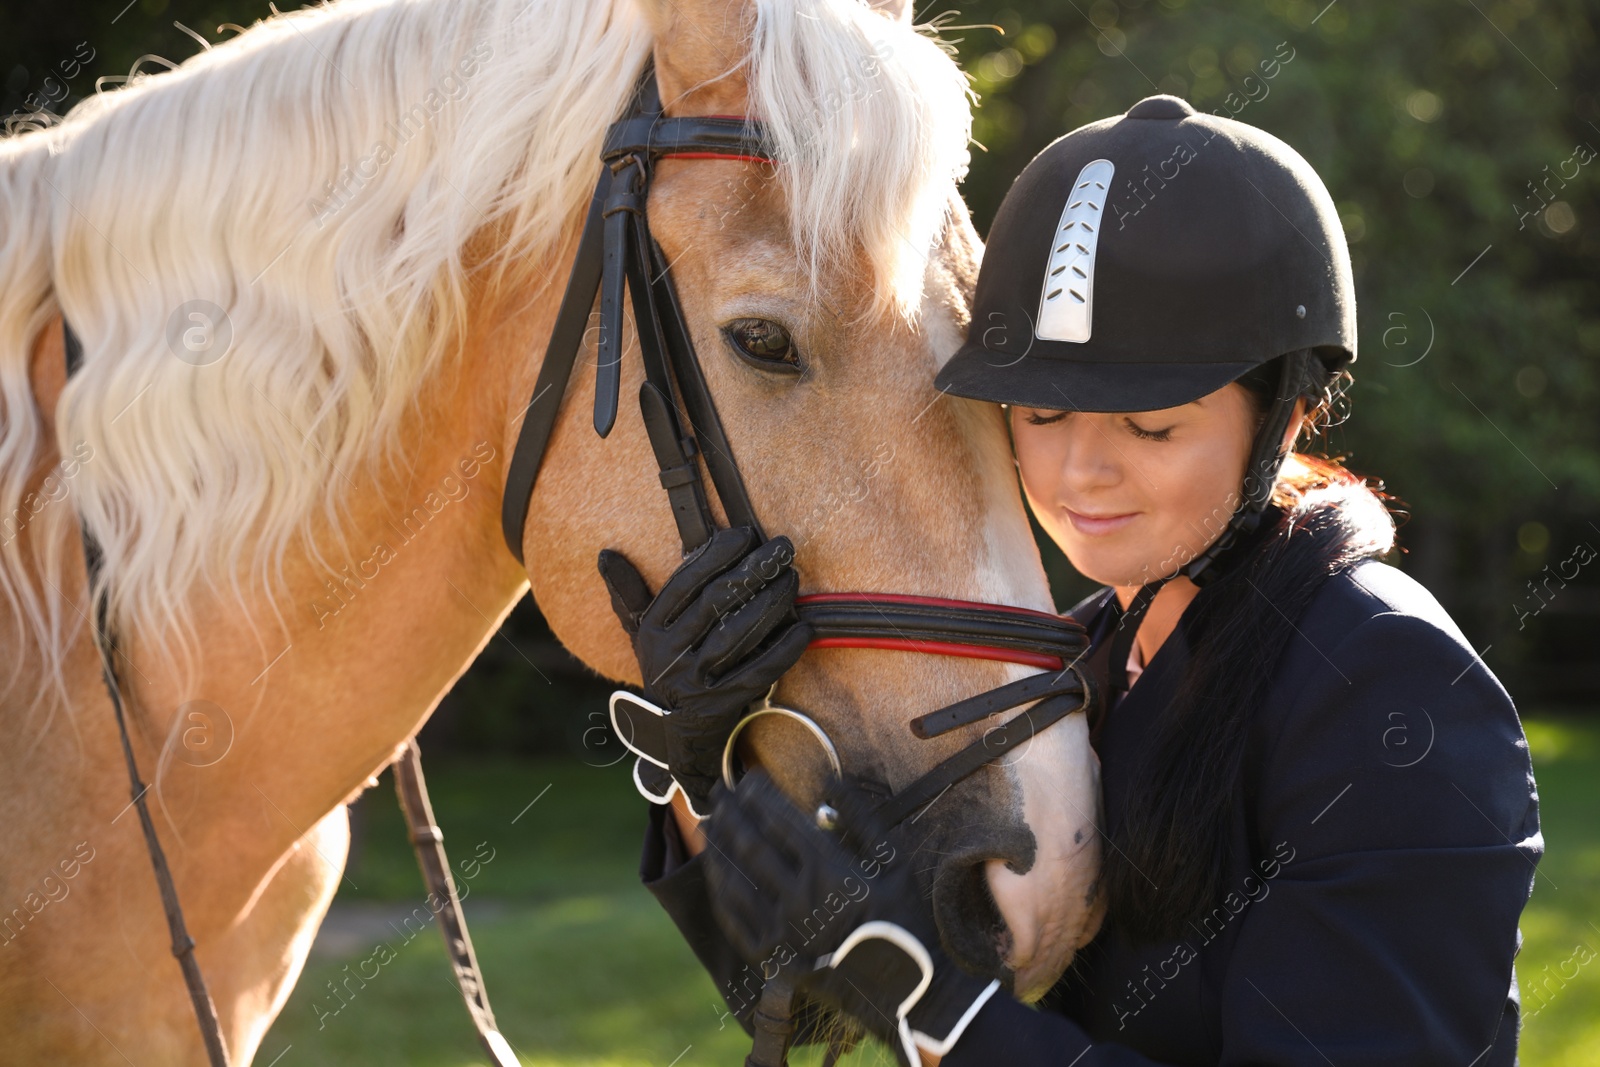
[1385, 845]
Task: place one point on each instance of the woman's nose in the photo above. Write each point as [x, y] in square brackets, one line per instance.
[1090, 459]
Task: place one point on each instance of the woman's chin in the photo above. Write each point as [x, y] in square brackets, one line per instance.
[1106, 571]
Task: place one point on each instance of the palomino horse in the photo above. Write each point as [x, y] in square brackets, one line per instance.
[313, 270]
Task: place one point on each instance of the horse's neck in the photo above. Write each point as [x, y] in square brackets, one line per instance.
[369, 640]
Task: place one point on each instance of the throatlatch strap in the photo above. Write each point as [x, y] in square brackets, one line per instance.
[194, 981]
[993, 745]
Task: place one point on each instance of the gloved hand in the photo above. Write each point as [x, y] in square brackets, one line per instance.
[840, 909]
[716, 638]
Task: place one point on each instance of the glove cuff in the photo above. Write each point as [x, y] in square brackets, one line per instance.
[658, 787]
[946, 1030]
[638, 724]
[940, 1044]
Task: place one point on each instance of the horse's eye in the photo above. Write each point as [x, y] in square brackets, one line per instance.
[764, 343]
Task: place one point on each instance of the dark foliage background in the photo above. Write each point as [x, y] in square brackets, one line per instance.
[1458, 138]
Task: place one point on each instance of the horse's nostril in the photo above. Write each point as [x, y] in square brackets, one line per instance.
[970, 924]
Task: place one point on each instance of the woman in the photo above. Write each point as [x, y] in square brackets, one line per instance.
[1319, 808]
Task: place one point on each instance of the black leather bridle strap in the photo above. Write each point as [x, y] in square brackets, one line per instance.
[616, 254]
[194, 981]
[930, 624]
[994, 701]
[993, 745]
[960, 628]
[651, 134]
[675, 451]
[696, 397]
[566, 338]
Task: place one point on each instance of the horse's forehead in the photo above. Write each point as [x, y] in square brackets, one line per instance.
[726, 223]
[717, 206]
[724, 228]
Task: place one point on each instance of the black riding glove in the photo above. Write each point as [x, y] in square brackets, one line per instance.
[839, 909]
[717, 637]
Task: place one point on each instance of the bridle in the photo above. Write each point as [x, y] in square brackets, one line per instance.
[616, 253]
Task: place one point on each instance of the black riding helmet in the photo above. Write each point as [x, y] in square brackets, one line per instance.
[1143, 261]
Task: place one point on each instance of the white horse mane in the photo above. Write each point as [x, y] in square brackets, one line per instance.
[321, 177]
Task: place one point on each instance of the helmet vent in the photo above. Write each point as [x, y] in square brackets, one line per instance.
[1065, 310]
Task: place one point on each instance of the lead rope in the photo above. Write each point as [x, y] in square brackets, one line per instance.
[105, 645]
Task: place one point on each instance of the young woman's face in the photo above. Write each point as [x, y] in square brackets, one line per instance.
[1133, 496]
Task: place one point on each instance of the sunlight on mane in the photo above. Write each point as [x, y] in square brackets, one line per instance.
[321, 178]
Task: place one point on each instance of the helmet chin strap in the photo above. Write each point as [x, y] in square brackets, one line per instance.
[1297, 373]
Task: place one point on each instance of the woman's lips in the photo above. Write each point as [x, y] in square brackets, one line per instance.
[1098, 525]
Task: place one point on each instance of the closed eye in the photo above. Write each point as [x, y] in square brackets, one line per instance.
[1033, 418]
[1147, 435]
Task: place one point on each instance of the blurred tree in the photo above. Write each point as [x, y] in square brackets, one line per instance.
[63, 47]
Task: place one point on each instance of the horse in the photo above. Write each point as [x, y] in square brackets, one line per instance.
[313, 269]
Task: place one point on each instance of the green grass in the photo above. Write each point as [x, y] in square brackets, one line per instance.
[1561, 926]
[584, 968]
[582, 965]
